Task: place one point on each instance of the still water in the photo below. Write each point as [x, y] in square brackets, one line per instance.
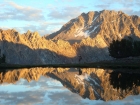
[65, 86]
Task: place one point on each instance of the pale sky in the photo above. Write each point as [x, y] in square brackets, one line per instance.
[47, 16]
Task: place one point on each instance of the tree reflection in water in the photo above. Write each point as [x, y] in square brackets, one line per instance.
[125, 81]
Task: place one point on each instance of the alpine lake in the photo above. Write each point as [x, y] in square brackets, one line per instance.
[69, 86]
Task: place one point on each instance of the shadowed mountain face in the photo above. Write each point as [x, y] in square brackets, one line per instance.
[92, 83]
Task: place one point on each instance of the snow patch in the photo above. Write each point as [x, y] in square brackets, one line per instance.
[90, 26]
[80, 32]
[95, 18]
[91, 79]
[87, 32]
[94, 29]
[80, 78]
[95, 91]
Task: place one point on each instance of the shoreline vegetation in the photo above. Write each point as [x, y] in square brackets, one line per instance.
[127, 63]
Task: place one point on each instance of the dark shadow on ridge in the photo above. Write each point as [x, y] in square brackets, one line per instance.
[21, 54]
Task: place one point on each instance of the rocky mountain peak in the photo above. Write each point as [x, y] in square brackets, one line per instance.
[32, 35]
[28, 32]
[107, 23]
[13, 30]
[9, 35]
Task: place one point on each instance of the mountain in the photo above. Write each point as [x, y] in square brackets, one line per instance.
[108, 24]
[92, 84]
[30, 48]
[93, 31]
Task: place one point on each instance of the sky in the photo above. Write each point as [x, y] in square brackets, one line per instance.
[48, 16]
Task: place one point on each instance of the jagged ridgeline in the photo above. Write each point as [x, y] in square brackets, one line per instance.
[107, 24]
[93, 31]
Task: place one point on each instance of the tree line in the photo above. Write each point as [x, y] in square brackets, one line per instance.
[124, 48]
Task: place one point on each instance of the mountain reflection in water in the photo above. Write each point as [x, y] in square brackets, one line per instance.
[50, 85]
